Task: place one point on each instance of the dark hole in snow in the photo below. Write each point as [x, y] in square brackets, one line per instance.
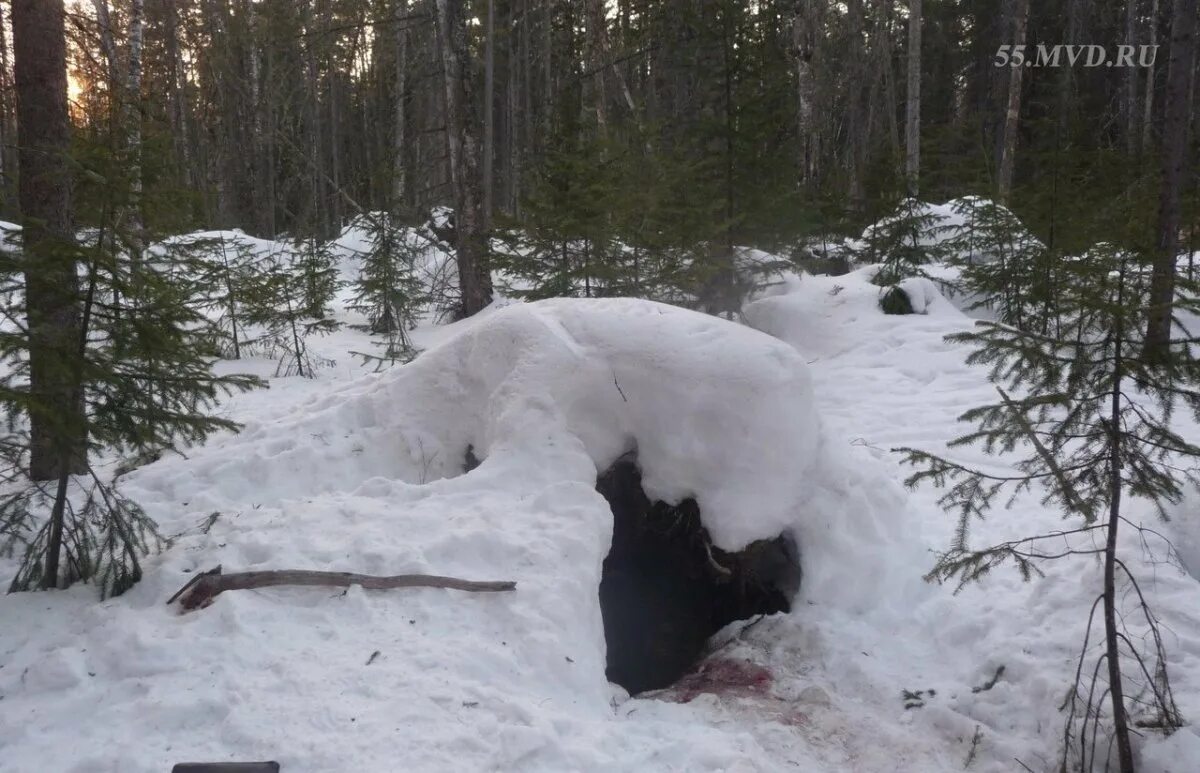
[896, 301]
[470, 460]
[666, 588]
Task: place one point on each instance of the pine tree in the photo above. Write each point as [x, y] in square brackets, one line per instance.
[1093, 420]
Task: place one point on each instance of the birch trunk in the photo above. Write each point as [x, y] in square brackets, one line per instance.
[132, 121]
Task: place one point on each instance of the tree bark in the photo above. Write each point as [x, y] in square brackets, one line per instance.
[1012, 115]
[400, 117]
[132, 124]
[912, 112]
[107, 43]
[1148, 105]
[803, 47]
[489, 112]
[204, 587]
[1174, 160]
[1129, 102]
[57, 422]
[596, 65]
[462, 146]
[6, 133]
[1111, 638]
[179, 106]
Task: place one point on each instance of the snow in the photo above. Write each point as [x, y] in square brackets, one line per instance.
[783, 423]
[888, 381]
[366, 476]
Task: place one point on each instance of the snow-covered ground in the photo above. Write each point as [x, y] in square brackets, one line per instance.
[784, 423]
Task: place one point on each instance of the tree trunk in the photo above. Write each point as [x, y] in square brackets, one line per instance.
[596, 65]
[1012, 115]
[179, 123]
[1148, 105]
[1115, 480]
[888, 75]
[399, 178]
[1174, 159]
[317, 211]
[462, 146]
[1129, 102]
[6, 134]
[803, 45]
[1073, 35]
[132, 124]
[489, 112]
[107, 44]
[58, 428]
[912, 111]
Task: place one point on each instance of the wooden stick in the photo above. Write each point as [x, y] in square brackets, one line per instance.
[204, 587]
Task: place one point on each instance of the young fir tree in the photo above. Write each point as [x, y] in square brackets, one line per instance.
[223, 274]
[291, 303]
[568, 247]
[1092, 422]
[1004, 268]
[142, 368]
[315, 267]
[388, 290]
[902, 243]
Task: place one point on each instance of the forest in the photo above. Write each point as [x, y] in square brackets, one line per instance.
[688, 125]
[664, 299]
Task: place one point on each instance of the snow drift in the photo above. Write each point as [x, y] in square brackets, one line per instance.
[368, 478]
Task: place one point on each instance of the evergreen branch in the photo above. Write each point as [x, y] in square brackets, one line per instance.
[1067, 490]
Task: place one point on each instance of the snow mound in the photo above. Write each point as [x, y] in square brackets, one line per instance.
[923, 295]
[368, 477]
[715, 410]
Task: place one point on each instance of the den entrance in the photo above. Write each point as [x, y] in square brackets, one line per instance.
[666, 588]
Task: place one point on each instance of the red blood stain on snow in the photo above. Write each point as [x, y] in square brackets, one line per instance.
[722, 677]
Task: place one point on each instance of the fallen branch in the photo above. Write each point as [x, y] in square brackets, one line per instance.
[205, 586]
